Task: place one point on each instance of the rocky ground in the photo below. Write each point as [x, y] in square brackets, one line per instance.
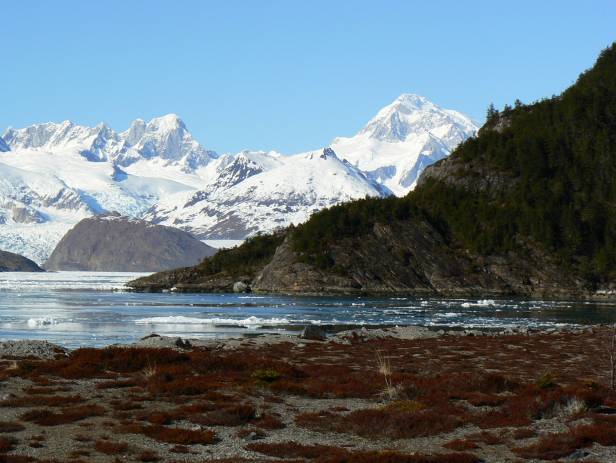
[389, 395]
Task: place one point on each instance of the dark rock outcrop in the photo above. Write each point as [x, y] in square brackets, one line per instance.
[188, 280]
[413, 258]
[313, 333]
[10, 262]
[115, 243]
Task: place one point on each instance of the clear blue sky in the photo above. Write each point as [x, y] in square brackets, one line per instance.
[287, 75]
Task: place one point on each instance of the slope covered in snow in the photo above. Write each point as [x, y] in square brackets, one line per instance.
[403, 139]
[276, 192]
[53, 175]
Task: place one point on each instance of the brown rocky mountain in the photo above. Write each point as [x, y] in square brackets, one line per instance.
[115, 243]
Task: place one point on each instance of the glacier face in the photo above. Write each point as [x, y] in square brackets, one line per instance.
[52, 175]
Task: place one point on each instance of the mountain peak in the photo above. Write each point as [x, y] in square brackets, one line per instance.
[412, 100]
[165, 137]
[167, 123]
[412, 114]
[406, 135]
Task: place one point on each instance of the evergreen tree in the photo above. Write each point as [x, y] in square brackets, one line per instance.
[492, 113]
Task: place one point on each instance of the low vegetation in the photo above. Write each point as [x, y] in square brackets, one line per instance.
[243, 260]
[462, 396]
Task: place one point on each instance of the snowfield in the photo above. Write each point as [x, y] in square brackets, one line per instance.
[53, 175]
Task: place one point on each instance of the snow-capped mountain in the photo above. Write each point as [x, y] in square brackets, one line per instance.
[53, 175]
[164, 138]
[403, 139]
[274, 193]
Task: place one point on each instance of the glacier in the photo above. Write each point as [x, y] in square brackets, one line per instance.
[52, 175]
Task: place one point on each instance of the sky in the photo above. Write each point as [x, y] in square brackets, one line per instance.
[285, 75]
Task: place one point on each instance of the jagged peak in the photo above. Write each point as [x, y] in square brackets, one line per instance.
[328, 153]
[413, 100]
[168, 122]
[165, 137]
[325, 153]
[412, 114]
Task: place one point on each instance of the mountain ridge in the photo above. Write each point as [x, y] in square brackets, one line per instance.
[518, 210]
[157, 171]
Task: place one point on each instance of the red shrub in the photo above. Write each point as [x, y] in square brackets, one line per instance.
[93, 363]
[148, 455]
[234, 415]
[388, 421]
[554, 446]
[41, 401]
[161, 418]
[487, 438]
[295, 450]
[49, 418]
[460, 444]
[524, 433]
[118, 384]
[269, 421]
[173, 435]
[111, 448]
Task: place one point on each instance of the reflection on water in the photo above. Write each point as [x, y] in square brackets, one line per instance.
[90, 308]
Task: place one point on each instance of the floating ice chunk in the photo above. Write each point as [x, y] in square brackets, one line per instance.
[42, 321]
[182, 320]
[480, 303]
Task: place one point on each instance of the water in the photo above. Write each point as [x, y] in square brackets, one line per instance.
[91, 309]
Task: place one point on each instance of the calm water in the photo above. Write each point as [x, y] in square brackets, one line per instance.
[90, 308]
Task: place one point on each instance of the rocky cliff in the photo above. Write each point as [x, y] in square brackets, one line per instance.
[527, 208]
[10, 262]
[115, 243]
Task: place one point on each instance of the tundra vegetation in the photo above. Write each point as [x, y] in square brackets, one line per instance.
[451, 398]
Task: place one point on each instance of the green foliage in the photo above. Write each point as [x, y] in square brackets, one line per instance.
[491, 113]
[266, 375]
[546, 381]
[312, 239]
[253, 254]
[557, 162]
[560, 157]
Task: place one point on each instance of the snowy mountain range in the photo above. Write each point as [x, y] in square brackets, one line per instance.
[52, 175]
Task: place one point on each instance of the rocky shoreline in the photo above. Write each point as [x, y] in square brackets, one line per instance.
[312, 333]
